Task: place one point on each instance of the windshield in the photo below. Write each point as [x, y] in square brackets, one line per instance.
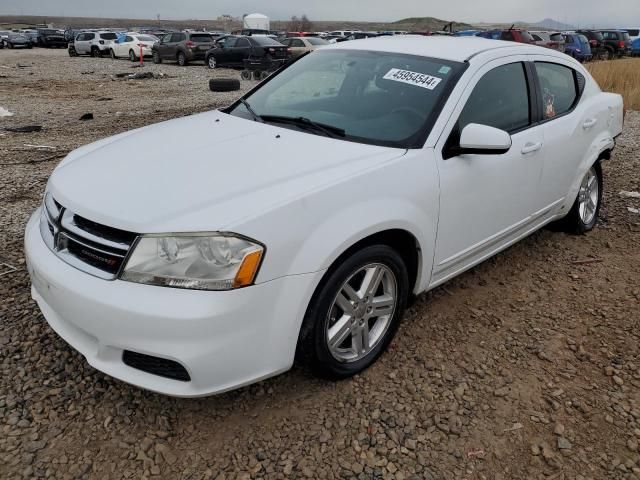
[266, 41]
[146, 38]
[317, 41]
[375, 97]
[201, 38]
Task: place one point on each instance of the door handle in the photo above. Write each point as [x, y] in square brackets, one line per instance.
[589, 123]
[531, 147]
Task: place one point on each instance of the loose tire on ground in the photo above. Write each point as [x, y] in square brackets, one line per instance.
[324, 316]
[245, 75]
[224, 84]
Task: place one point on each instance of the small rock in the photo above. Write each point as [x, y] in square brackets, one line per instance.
[564, 444]
[632, 444]
[501, 392]
[558, 429]
[617, 380]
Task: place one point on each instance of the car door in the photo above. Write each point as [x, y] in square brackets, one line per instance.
[569, 126]
[225, 47]
[240, 51]
[165, 46]
[489, 200]
[82, 42]
[122, 49]
[297, 47]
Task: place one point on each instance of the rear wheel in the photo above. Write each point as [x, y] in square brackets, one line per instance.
[355, 312]
[182, 59]
[583, 215]
[95, 52]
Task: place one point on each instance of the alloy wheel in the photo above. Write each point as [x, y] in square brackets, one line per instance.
[212, 62]
[361, 312]
[588, 196]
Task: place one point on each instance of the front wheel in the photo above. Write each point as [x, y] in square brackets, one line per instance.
[355, 313]
[211, 62]
[112, 54]
[583, 215]
[156, 58]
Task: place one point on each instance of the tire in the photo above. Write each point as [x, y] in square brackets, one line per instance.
[605, 55]
[182, 59]
[112, 54]
[95, 52]
[211, 62]
[583, 215]
[245, 75]
[224, 84]
[132, 56]
[10, 45]
[156, 58]
[347, 355]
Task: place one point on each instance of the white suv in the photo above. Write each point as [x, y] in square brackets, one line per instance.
[95, 44]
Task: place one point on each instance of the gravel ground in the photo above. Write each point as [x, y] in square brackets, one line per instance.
[526, 367]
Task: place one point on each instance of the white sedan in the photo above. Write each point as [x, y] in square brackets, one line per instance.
[208, 252]
[129, 46]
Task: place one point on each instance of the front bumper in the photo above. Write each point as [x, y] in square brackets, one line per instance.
[223, 339]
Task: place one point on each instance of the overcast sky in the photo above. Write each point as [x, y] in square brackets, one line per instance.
[576, 12]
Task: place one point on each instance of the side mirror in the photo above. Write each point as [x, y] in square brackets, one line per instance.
[483, 140]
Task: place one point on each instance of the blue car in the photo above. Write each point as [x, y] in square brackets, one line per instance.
[635, 47]
[577, 46]
[466, 33]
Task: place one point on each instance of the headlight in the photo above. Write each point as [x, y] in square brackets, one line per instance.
[201, 262]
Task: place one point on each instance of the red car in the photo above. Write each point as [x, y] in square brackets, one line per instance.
[510, 35]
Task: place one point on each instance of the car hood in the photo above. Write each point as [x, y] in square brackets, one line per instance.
[203, 172]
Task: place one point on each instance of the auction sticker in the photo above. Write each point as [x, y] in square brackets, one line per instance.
[413, 78]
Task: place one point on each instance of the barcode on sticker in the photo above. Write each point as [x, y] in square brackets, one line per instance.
[413, 78]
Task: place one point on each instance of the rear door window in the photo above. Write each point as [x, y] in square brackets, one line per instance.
[559, 88]
[230, 42]
[500, 99]
[201, 38]
[108, 36]
[243, 43]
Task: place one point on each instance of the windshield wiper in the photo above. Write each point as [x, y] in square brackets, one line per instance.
[328, 130]
[255, 116]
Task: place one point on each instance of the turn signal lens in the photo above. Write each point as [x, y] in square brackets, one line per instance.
[248, 269]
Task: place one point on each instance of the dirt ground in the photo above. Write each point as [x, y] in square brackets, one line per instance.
[526, 367]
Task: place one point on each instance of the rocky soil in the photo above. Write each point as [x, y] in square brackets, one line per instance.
[526, 367]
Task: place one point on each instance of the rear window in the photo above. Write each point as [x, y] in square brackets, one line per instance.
[265, 41]
[201, 38]
[625, 35]
[634, 32]
[108, 36]
[317, 41]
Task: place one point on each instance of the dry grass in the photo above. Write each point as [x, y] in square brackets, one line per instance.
[619, 76]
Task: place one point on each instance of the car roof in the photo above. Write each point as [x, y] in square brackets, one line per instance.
[457, 49]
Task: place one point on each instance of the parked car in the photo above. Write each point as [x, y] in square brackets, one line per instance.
[362, 35]
[635, 47]
[233, 50]
[182, 47]
[577, 46]
[96, 44]
[596, 42]
[129, 44]
[617, 42]
[51, 38]
[334, 38]
[634, 33]
[553, 40]
[300, 46]
[343, 33]
[510, 35]
[351, 180]
[17, 40]
[466, 33]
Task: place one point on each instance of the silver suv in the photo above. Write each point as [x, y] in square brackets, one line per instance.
[94, 43]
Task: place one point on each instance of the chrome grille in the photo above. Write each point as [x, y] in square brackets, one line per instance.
[97, 249]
